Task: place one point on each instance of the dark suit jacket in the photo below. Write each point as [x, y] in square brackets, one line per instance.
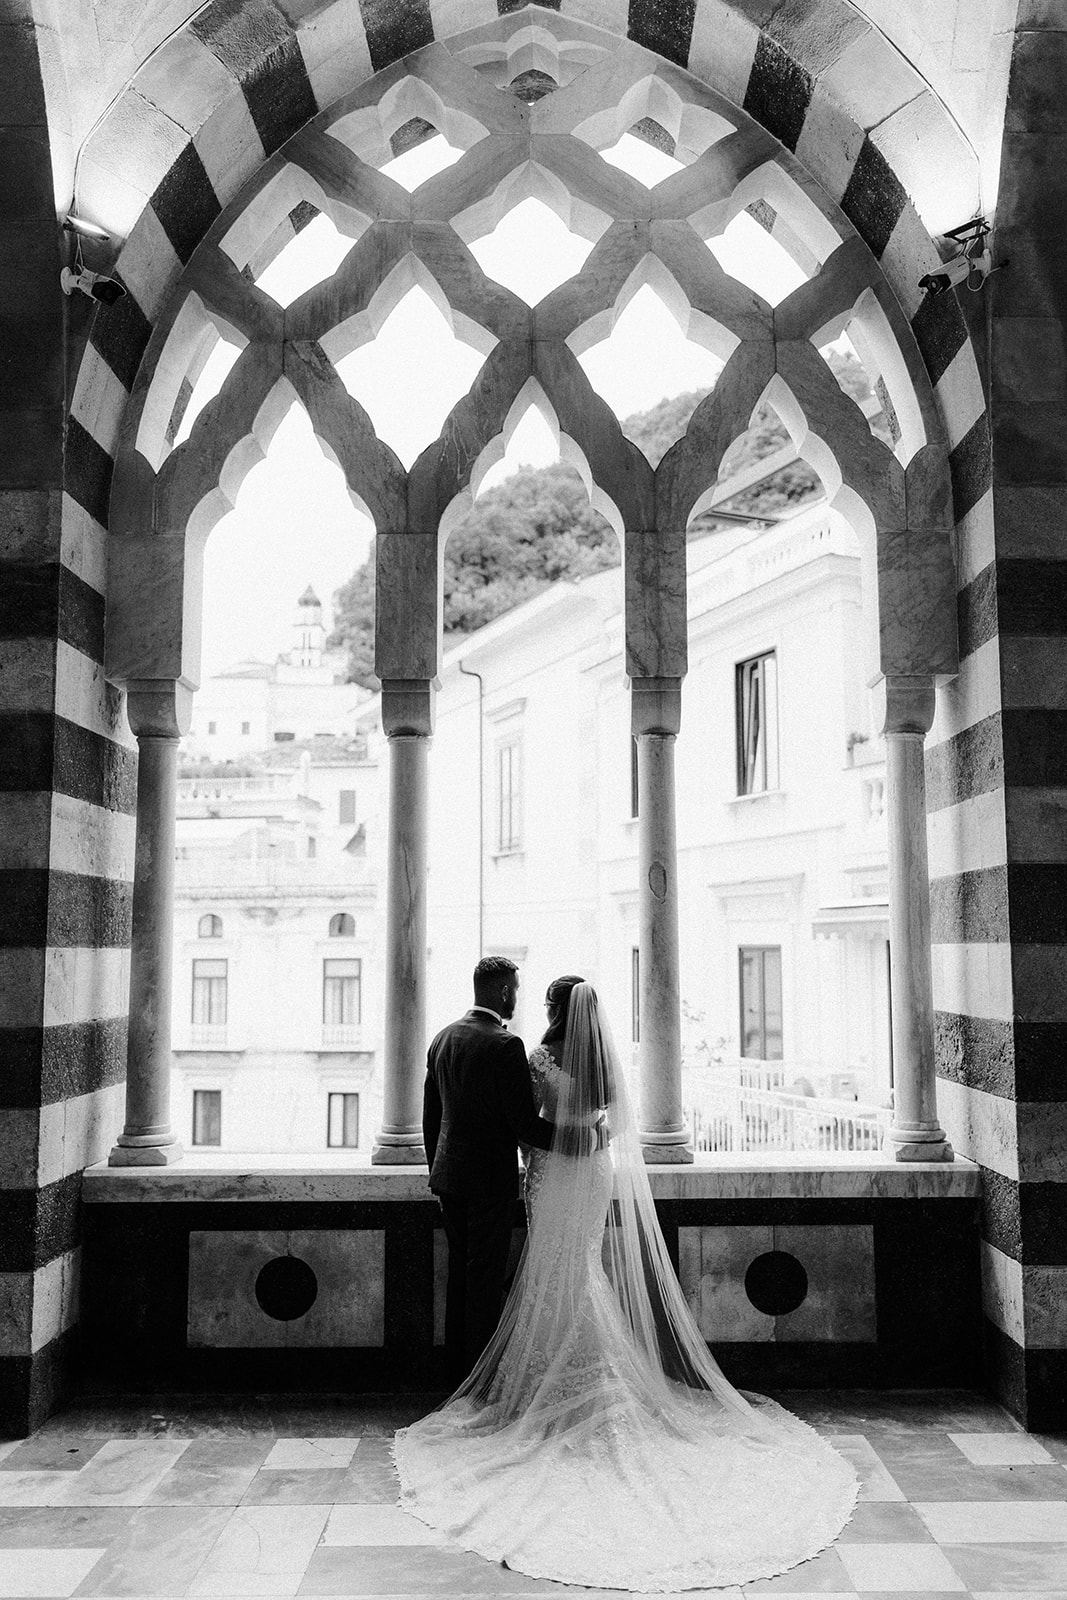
[478, 1106]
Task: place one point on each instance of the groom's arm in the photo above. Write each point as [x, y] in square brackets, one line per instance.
[431, 1117]
[517, 1101]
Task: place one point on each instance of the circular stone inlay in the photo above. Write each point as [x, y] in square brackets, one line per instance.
[776, 1283]
[286, 1288]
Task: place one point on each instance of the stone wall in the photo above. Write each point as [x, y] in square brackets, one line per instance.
[211, 105]
[999, 778]
[66, 778]
[798, 1277]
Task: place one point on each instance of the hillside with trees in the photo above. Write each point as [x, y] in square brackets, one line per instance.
[538, 526]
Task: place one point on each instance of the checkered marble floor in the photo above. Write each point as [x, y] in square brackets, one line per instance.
[267, 1498]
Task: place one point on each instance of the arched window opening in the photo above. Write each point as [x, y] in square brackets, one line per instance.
[647, 155]
[518, 454]
[762, 479]
[216, 368]
[651, 373]
[749, 252]
[313, 253]
[533, 523]
[851, 377]
[251, 553]
[209, 926]
[419, 153]
[407, 403]
[531, 251]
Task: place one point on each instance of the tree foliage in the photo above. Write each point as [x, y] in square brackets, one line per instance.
[538, 527]
[530, 531]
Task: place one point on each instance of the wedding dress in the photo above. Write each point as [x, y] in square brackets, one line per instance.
[597, 1442]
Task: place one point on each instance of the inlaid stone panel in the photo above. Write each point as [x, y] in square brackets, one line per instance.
[320, 1288]
[806, 1283]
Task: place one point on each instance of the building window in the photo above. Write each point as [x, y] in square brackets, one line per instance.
[209, 927]
[283, 737]
[312, 845]
[246, 727]
[341, 1000]
[757, 724]
[342, 926]
[212, 727]
[509, 796]
[209, 993]
[635, 786]
[207, 1116]
[346, 808]
[761, 1002]
[342, 1122]
[635, 995]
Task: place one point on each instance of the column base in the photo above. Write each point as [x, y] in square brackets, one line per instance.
[919, 1142]
[397, 1155]
[145, 1155]
[656, 1155]
[918, 1150]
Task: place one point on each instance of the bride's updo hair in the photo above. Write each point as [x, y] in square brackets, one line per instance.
[558, 996]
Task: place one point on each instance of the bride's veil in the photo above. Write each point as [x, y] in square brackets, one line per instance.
[572, 1343]
[597, 1441]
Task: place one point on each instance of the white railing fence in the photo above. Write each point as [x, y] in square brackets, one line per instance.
[740, 1117]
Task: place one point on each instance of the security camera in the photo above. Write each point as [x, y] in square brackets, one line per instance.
[972, 263]
[971, 270]
[94, 284]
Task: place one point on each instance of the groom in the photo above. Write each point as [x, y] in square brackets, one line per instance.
[478, 1107]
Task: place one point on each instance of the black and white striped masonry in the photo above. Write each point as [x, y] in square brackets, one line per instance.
[261, 69]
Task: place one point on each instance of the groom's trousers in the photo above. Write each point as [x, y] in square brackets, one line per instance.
[478, 1232]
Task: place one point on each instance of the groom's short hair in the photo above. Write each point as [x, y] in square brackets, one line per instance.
[491, 973]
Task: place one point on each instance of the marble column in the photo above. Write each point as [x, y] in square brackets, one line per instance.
[407, 717]
[159, 714]
[915, 1134]
[655, 719]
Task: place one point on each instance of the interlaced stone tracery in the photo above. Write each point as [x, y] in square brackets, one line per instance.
[531, 106]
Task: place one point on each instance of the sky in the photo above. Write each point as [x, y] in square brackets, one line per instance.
[293, 522]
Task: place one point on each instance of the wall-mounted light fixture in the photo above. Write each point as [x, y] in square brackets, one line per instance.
[97, 285]
[84, 229]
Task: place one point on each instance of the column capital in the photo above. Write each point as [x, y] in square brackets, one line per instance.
[408, 706]
[159, 708]
[909, 702]
[655, 705]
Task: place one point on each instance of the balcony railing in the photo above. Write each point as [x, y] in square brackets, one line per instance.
[340, 1035]
[208, 871]
[734, 1117]
[274, 783]
[208, 1035]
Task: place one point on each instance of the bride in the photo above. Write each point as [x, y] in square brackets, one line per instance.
[596, 1441]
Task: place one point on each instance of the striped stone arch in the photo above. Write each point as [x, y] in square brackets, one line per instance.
[164, 501]
[226, 91]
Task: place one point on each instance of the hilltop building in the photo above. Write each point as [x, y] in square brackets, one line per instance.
[302, 694]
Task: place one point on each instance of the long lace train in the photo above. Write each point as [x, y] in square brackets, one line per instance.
[597, 1441]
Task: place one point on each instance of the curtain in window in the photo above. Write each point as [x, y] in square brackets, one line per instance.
[341, 993]
[209, 993]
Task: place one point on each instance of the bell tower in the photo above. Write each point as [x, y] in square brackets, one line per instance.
[309, 639]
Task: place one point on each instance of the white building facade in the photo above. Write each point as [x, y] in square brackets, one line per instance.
[780, 813]
[276, 1017]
